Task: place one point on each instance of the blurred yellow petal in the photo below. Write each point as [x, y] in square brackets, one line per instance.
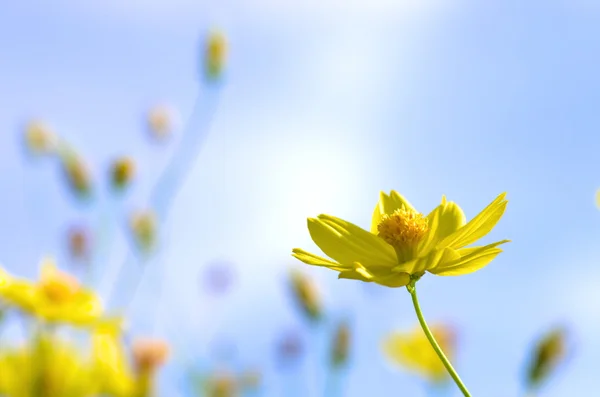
[413, 351]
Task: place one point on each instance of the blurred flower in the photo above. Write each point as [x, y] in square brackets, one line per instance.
[341, 345]
[550, 351]
[56, 297]
[143, 227]
[403, 244]
[79, 241]
[215, 56]
[289, 348]
[39, 138]
[122, 172]
[46, 367]
[413, 351]
[162, 120]
[306, 295]
[218, 277]
[77, 174]
[148, 355]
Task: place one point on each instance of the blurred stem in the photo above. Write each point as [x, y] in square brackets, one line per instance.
[413, 293]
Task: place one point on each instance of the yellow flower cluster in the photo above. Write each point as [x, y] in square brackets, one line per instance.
[50, 366]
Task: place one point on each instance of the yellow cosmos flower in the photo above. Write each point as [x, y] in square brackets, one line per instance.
[47, 367]
[56, 297]
[413, 351]
[403, 244]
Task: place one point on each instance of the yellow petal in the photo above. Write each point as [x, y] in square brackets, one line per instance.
[478, 226]
[429, 261]
[348, 243]
[444, 220]
[387, 205]
[315, 260]
[384, 277]
[471, 260]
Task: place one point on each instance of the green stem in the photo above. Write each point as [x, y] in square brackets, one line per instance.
[413, 293]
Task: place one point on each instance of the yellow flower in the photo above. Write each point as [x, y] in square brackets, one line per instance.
[403, 244]
[413, 351]
[56, 297]
[46, 367]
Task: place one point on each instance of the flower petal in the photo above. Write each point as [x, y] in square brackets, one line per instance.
[388, 279]
[478, 226]
[444, 220]
[353, 244]
[315, 260]
[471, 260]
[388, 204]
[429, 261]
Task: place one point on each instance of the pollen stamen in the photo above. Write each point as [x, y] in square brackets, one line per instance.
[403, 229]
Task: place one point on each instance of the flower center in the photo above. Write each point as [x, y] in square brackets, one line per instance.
[59, 287]
[403, 229]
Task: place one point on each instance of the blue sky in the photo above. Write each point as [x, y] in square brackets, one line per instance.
[323, 105]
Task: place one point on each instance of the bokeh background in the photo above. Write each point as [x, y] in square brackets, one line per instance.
[322, 105]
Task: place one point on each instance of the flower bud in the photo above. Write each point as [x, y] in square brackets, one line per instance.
[39, 138]
[306, 295]
[341, 345]
[77, 174]
[549, 352]
[122, 172]
[215, 55]
[144, 229]
[162, 121]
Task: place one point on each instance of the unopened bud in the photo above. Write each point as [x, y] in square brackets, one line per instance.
[149, 354]
[341, 345]
[549, 352]
[162, 121]
[122, 172]
[215, 55]
[77, 174]
[143, 227]
[39, 138]
[306, 295]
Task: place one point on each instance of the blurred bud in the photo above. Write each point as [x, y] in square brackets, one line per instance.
[222, 384]
[341, 345]
[149, 354]
[162, 121]
[77, 174]
[549, 352]
[143, 227]
[306, 295]
[598, 198]
[122, 172]
[79, 242]
[289, 348]
[218, 277]
[39, 139]
[215, 57]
